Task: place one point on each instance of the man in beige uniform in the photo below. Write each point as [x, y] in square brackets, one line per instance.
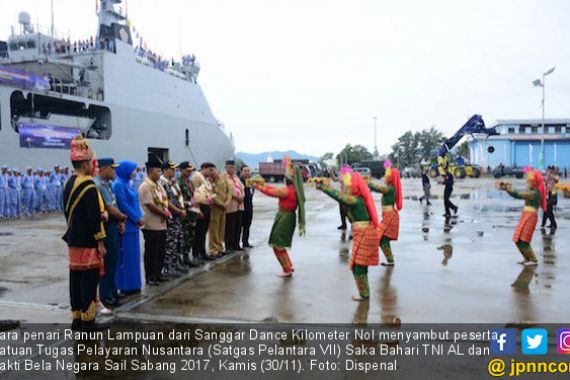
[154, 202]
[204, 194]
[235, 211]
[221, 203]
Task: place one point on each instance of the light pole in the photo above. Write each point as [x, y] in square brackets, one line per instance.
[375, 139]
[539, 83]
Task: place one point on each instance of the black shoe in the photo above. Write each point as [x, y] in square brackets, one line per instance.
[111, 303]
[341, 227]
[119, 296]
[429, 203]
[188, 264]
[94, 326]
[161, 279]
[76, 324]
[207, 257]
[247, 245]
[131, 292]
[171, 274]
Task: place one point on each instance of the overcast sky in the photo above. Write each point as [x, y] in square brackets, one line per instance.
[309, 75]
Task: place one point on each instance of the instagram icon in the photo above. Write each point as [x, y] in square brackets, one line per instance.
[563, 341]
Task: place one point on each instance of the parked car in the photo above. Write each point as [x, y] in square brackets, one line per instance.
[504, 171]
[410, 172]
[363, 171]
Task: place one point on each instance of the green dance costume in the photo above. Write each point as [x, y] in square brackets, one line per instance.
[291, 198]
[359, 218]
[360, 206]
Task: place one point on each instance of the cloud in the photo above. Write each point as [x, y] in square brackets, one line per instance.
[310, 75]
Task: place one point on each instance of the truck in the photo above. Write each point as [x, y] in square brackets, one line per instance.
[376, 167]
[275, 171]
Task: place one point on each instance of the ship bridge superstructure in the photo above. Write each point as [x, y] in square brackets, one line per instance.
[110, 87]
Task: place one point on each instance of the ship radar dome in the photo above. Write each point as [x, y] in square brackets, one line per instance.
[24, 18]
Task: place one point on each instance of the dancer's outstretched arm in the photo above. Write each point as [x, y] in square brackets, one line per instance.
[379, 188]
[345, 199]
[526, 195]
[272, 191]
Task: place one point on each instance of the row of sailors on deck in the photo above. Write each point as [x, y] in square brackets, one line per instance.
[67, 46]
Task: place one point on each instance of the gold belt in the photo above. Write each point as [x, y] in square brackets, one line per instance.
[530, 209]
[387, 208]
[360, 224]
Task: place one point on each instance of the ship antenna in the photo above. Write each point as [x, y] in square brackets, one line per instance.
[52, 28]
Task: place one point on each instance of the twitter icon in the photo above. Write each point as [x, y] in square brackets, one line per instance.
[534, 341]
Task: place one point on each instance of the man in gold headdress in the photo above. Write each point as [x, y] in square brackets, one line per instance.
[84, 211]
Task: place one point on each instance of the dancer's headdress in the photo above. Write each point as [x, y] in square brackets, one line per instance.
[295, 174]
[360, 188]
[393, 178]
[535, 179]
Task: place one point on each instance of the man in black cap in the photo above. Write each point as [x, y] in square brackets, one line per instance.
[192, 209]
[234, 212]
[247, 207]
[114, 226]
[174, 235]
[154, 203]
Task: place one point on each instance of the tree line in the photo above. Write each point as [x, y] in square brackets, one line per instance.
[410, 149]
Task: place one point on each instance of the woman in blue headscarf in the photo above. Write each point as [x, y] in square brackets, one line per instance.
[128, 276]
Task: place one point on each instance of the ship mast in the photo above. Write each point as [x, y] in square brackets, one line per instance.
[108, 15]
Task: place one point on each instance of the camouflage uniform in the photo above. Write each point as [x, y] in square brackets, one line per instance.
[174, 235]
[188, 223]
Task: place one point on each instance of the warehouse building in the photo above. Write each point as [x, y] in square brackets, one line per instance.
[519, 144]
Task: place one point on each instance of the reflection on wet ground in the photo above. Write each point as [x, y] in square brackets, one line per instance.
[457, 270]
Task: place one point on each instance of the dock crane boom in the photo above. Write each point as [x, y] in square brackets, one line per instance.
[474, 126]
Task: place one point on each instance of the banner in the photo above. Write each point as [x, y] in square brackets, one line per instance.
[46, 136]
[23, 79]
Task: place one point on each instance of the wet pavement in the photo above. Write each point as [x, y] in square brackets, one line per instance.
[462, 271]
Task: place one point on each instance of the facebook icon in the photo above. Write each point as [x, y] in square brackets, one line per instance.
[504, 342]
